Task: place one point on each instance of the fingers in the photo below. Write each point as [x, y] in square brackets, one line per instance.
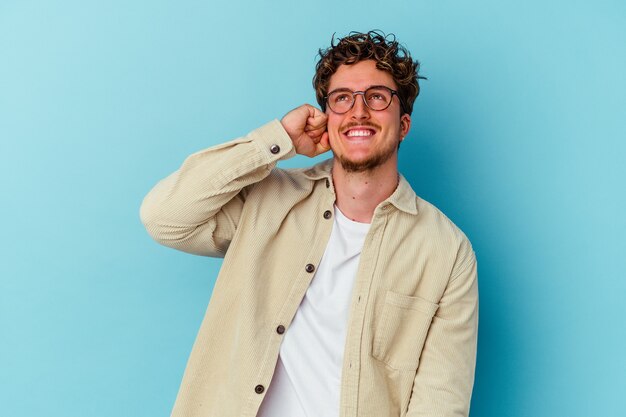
[316, 133]
[316, 129]
[325, 141]
[313, 111]
[306, 125]
[316, 121]
[316, 125]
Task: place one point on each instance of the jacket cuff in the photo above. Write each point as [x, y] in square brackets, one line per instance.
[273, 141]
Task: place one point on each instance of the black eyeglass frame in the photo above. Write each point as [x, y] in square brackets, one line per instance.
[362, 94]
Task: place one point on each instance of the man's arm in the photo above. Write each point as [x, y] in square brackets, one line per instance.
[197, 208]
[445, 377]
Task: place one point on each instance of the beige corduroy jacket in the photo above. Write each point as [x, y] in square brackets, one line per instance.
[412, 330]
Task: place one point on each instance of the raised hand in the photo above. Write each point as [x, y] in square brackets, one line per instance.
[306, 126]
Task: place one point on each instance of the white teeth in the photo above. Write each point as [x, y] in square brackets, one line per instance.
[355, 132]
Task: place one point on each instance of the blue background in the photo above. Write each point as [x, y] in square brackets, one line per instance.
[518, 135]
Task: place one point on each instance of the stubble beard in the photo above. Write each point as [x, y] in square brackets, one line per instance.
[370, 163]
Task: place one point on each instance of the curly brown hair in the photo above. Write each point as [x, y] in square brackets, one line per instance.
[389, 55]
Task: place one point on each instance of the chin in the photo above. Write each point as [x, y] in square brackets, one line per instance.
[362, 164]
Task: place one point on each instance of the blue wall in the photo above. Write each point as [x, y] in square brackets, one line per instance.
[518, 135]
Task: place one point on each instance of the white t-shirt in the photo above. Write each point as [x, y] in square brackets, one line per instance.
[307, 379]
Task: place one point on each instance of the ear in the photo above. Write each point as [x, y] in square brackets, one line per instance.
[405, 125]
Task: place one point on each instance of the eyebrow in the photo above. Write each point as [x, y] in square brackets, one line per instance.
[352, 91]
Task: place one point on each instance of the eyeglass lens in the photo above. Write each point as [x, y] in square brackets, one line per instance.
[376, 98]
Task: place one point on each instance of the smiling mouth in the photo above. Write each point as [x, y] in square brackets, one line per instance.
[360, 133]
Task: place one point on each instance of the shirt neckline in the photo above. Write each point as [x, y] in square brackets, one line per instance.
[353, 226]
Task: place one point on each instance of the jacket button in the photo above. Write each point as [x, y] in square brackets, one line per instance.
[280, 329]
[328, 214]
[274, 149]
[309, 268]
[327, 183]
[259, 389]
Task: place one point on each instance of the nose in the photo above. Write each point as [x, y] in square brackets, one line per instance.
[360, 110]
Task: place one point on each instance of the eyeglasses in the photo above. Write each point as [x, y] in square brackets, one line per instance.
[377, 98]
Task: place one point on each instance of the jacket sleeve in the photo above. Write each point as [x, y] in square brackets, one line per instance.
[197, 208]
[445, 376]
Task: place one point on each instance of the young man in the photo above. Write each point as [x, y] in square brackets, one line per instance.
[342, 293]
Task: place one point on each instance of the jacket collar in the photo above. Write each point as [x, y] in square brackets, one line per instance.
[403, 198]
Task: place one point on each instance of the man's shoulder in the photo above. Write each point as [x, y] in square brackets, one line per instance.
[437, 222]
[441, 235]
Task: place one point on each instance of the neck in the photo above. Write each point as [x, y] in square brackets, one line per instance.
[359, 193]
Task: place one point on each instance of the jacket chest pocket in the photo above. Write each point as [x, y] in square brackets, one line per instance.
[402, 329]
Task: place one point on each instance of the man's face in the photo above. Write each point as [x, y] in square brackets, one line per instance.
[363, 139]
